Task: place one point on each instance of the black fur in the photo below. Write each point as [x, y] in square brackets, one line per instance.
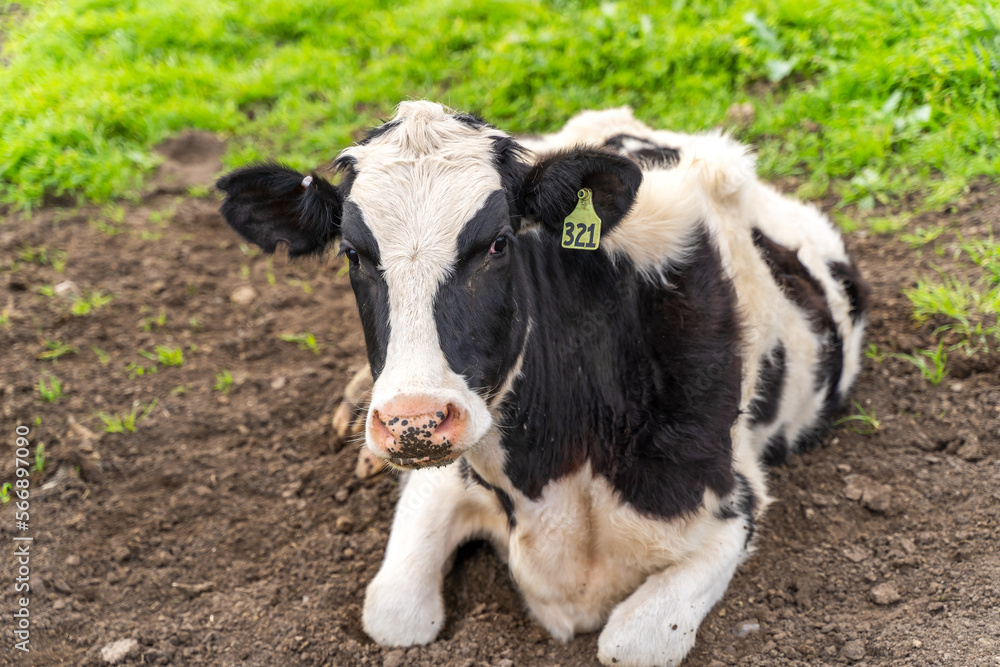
[741, 503]
[808, 294]
[857, 289]
[770, 383]
[549, 192]
[476, 308]
[776, 450]
[620, 395]
[370, 289]
[377, 132]
[266, 204]
[506, 502]
[650, 156]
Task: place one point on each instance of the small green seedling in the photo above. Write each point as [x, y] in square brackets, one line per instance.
[126, 422]
[869, 422]
[40, 457]
[169, 356]
[305, 340]
[873, 353]
[52, 391]
[102, 356]
[149, 323]
[55, 349]
[304, 284]
[135, 370]
[5, 492]
[83, 305]
[179, 390]
[932, 363]
[5, 318]
[223, 382]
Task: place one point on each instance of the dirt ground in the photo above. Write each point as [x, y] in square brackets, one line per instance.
[229, 528]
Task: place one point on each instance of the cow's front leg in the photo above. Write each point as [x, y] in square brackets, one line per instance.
[436, 512]
[657, 624]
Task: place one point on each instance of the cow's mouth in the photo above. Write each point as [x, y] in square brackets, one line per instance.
[414, 463]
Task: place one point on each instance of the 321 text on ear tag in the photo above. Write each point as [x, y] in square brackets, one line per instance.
[582, 229]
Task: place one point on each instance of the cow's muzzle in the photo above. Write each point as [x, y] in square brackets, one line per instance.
[417, 432]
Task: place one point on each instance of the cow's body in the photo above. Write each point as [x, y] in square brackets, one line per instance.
[607, 414]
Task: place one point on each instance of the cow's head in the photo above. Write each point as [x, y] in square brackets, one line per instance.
[431, 212]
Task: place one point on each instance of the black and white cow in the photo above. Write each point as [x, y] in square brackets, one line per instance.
[603, 416]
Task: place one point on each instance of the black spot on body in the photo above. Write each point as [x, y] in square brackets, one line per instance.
[770, 381]
[808, 294]
[648, 396]
[855, 287]
[645, 153]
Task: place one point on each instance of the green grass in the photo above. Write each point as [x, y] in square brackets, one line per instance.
[968, 308]
[40, 457]
[52, 390]
[901, 97]
[933, 364]
[126, 422]
[223, 381]
[866, 421]
[5, 492]
[165, 355]
[305, 341]
[55, 349]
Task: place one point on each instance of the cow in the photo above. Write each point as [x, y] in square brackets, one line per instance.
[586, 349]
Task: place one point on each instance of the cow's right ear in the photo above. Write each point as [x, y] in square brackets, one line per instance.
[270, 203]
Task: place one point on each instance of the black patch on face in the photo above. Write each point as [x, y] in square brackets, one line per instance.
[267, 204]
[506, 503]
[649, 156]
[476, 309]
[770, 381]
[808, 294]
[855, 287]
[641, 380]
[370, 289]
[508, 160]
[377, 132]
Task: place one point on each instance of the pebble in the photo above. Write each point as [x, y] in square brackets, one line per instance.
[243, 295]
[885, 594]
[344, 524]
[871, 494]
[853, 650]
[855, 554]
[745, 628]
[394, 658]
[115, 652]
[341, 495]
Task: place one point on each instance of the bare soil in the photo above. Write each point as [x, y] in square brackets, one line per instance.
[229, 529]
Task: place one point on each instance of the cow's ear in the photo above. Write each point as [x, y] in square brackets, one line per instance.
[549, 192]
[270, 203]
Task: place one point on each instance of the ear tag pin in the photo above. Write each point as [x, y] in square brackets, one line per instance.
[306, 182]
[582, 229]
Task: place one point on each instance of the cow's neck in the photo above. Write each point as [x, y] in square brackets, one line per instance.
[640, 379]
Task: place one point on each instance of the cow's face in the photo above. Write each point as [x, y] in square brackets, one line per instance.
[428, 214]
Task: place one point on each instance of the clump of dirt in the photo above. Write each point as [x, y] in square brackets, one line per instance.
[229, 529]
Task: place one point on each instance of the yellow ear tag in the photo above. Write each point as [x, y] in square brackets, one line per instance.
[582, 229]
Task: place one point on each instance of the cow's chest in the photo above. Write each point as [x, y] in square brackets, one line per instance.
[577, 551]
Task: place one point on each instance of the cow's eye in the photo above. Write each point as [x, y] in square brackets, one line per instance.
[352, 256]
[498, 245]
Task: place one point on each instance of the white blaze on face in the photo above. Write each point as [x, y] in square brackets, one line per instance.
[417, 185]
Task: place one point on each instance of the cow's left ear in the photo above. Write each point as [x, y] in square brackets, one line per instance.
[549, 191]
[270, 203]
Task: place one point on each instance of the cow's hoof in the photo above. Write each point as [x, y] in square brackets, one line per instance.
[401, 613]
[627, 641]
